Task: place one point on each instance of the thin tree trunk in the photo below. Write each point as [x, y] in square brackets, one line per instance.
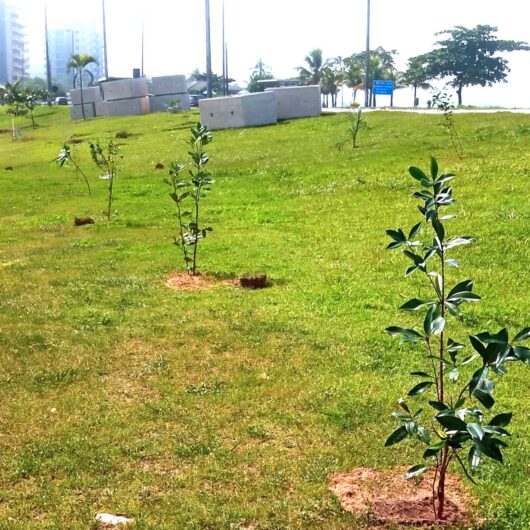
[415, 98]
[81, 94]
[459, 94]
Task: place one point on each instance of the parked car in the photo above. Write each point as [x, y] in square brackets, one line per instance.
[61, 100]
[194, 99]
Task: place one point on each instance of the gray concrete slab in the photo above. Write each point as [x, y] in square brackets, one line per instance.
[127, 107]
[124, 89]
[161, 103]
[77, 114]
[238, 111]
[297, 101]
[91, 94]
[167, 84]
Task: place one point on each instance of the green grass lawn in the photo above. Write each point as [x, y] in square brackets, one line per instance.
[227, 409]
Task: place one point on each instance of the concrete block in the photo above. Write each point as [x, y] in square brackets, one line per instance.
[238, 111]
[259, 109]
[91, 94]
[127, 107]
[297, 101]
[124, 89]
[167, 84]
[101, 108]
[77, 114]
[161, 103]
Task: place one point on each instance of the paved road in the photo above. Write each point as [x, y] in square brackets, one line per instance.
[428, 111]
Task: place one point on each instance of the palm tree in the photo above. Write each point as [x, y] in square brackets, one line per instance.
[79, 63]
[416, 75]
[354, 72]
[315, 67]
[332, 79]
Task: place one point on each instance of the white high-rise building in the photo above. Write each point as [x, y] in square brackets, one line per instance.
[80, 38]
[12, 45]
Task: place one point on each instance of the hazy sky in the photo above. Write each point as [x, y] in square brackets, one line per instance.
[281, 32]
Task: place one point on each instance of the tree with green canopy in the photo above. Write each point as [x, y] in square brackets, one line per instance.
[471, 57]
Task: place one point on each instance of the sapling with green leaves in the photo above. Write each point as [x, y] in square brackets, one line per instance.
[460, 397]
[69, 154]
[442, 101]
[356, 122]
[106, 158]
[191, 188]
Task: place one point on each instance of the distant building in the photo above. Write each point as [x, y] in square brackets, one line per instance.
[12, 45]
[80, 39]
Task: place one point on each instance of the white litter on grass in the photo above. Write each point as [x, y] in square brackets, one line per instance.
[115, 520]
[105, 177]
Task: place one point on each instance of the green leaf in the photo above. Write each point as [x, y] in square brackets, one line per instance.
[476, 430]
[484, 397]
[439, 229]
[452, 262]
[466, 285]
[438, 325]
[453, 375]
[474, 458]
[417, 173]
[452, 423]
[397, 436]
[415, 304]
[465, 296]
[420, 388]
[489, 448]
[438, 405]
[423, 435]
[501, 420]
[434, 449]
[420, 374]
[522, 353]
[408, 335]
[456, 242]
[434, 168]
[416, 471]
[414, 230]
[522, 335]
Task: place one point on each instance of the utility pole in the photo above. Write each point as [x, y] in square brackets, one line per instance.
[105, 40]
[224, 52]
[142, 65]
[208, 51]
[48, 67]
[367, 101]
[226, 68]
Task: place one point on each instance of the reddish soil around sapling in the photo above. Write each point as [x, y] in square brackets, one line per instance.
[182, 281]
[387, 498]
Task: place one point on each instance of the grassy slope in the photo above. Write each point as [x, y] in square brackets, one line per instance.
[220, 408]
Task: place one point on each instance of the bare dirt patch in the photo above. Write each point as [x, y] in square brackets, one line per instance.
[387, 498]
[182, 281]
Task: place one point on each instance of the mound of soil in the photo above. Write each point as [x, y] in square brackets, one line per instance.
[182, 281]
[389, 499]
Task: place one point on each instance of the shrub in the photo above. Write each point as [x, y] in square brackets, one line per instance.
[459, 410]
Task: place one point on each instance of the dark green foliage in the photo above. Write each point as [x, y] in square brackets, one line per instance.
[106, 158]
[459, 419]
[194, 187]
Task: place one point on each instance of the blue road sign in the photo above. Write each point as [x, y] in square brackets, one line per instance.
[383, 88]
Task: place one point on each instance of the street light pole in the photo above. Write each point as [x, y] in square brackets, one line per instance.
[208, 51]
[367, 59]
[48, 66]
[105, 40]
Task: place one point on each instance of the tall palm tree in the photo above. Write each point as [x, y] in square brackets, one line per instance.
[354, 72]
[79, 63]
[332, 79]
[315, 67]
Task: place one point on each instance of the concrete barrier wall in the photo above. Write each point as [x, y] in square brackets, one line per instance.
[238, 111]
[259, 109]
[77, 114]
[161, 103]
[101, 108]
[297, 101]
[124, 89]
[127, 107]
[91, 94]
[167, 85]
